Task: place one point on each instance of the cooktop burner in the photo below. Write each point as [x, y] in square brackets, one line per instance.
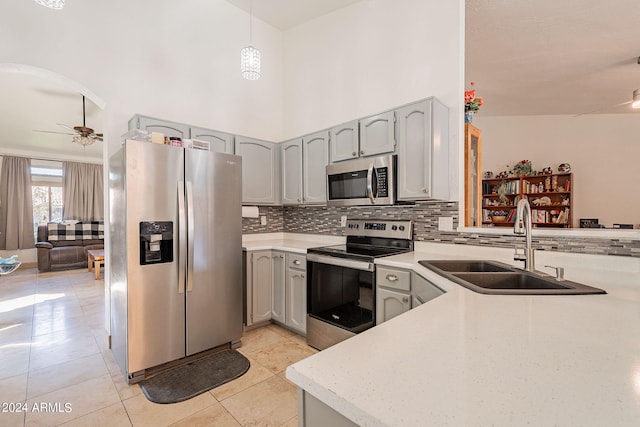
[369, 239]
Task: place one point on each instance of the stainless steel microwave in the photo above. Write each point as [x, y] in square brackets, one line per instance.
[361, 182]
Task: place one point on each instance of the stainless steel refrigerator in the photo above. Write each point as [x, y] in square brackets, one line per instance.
[175, 254]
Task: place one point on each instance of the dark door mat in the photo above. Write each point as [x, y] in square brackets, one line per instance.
[186, 381]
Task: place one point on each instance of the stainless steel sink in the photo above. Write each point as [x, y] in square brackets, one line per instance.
[496, 278]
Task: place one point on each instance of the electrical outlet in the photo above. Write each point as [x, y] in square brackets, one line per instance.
[263, 220]
[343, 221]
[445, 223]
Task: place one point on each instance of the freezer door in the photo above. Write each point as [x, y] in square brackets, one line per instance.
[156, 308]
[214, 273]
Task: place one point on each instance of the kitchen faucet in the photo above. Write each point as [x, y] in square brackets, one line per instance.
[523, 226]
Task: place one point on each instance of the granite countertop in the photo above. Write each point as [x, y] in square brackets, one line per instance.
[470, 359]
[288, 242]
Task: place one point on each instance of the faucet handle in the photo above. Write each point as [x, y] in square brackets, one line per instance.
[517, 256]
[559, 271]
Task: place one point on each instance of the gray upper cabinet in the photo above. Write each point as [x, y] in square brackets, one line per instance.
[292, 172]
[156, 125]
[344, 141]
[377, 134]
[220, 142]
[315, 152]
[423, 151]
[260, 171]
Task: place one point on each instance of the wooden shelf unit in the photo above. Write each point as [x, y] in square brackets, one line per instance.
[557, 213]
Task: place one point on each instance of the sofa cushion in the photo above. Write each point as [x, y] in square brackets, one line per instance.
[82, 230]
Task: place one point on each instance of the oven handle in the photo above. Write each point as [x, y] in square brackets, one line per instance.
[341, 262]
[370, 183]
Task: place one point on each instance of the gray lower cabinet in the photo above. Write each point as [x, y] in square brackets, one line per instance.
[259, 285]
[345, 142]
[219, 142]
[165, 127]
[260, 170]
[377, 134]
[296, 293]
[291, 153]
[278, 292]
[315, 158]
[398, 291]
[423, 151]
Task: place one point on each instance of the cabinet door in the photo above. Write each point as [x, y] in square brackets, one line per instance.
[344, 142]
[261, 283]
[423, 151]
[278, 291]
[296, 311]
[390, 304]
[220, 142]
[292, 172]
[377, 134]
[422, 289]
[163, 126]
[414, 151]
[315, 160]
[260, 173]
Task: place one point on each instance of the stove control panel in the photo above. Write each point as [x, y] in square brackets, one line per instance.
[390, 228]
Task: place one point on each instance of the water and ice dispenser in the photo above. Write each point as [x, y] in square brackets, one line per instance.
[156, 242]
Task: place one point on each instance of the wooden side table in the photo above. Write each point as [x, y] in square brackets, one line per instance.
[95, 260]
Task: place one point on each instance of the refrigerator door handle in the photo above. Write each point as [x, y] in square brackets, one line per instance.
[182, 250]
[190, 236]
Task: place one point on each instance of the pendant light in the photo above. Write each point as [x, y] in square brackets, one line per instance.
[250, 56]
[52, 4]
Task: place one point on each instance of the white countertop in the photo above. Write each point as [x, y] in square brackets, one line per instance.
[467, 359]
[288, 242]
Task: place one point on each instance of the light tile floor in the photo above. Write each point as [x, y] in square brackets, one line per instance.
[56, 369]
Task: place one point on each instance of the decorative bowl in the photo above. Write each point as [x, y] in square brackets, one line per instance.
[499, 218]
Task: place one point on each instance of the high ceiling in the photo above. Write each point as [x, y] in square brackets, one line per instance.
[553, 57]
[526, 58]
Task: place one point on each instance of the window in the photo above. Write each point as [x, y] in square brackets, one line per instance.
[46, 192]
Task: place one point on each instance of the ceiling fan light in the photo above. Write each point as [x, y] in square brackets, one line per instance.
[51, 4]
[636, 99]
[82, 140]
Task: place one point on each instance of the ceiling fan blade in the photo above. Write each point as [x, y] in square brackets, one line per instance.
[51, 131]
[603, 109]
[66, 126]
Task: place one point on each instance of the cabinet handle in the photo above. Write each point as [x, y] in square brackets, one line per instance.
[302, 275]
[296, 261]
[392, 277]
[361, 151]
[405, 299]
[424, 190]
[281, 256]
[353, 153]
[299, 200]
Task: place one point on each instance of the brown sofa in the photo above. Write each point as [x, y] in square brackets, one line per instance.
[64, 254]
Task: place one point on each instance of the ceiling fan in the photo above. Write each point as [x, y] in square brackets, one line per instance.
[82, 135]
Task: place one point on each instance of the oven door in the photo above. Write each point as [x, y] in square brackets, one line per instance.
[367, 181]
[340, 292]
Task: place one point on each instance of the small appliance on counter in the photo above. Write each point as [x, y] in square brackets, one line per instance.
[341, 284]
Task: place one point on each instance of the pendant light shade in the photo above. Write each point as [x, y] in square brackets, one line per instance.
[250, 63]
[52, 4]
[249, 55]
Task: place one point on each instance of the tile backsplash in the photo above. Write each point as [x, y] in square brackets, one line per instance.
[326, 220]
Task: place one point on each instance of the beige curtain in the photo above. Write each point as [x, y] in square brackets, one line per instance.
[16, 206]
[82, 192]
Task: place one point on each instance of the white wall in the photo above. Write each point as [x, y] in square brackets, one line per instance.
[168, 59]
[370, 57]
[603, 151]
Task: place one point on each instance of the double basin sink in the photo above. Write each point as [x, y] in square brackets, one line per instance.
[496, 278]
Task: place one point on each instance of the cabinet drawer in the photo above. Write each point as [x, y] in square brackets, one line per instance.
[297, 261]
[392, 278]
